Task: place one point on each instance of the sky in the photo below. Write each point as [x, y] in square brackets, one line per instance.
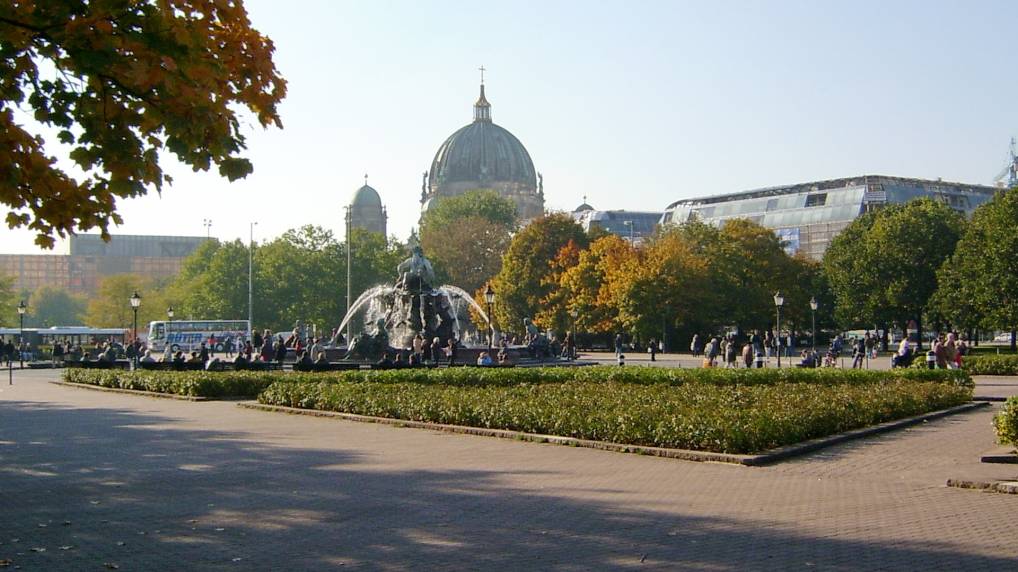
[631, 104]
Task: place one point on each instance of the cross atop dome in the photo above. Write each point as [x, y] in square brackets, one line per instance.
[482, 109]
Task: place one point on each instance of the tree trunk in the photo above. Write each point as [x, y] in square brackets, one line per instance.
[919, 331]
[1014, 335]
[884, 337]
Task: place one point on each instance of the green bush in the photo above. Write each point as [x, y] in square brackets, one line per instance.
[507, 377]
[991, 364]
[1006, 422]
[190, 383]
[703, 416]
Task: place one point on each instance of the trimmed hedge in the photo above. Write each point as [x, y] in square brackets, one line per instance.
[190, 383]
[708, 417]
[991, 364]
[475, 376]
[251, 382]
[1006, 422]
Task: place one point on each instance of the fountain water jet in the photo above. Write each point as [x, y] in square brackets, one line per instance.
[412, 306]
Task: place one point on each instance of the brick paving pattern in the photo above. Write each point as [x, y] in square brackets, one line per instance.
[90, 478]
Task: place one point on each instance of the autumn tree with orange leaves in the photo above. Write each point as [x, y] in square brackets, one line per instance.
[119, 83]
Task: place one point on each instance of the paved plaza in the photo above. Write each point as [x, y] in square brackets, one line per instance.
[95, 481]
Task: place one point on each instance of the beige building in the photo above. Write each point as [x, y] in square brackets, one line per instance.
[91, 259]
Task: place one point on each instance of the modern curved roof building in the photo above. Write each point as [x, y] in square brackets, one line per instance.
[483, 155]
[807, 216]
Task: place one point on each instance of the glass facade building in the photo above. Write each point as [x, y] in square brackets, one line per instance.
[634, 226]
[91, 259]
[808, 216]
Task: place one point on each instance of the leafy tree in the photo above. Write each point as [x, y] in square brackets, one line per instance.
[557, 305]
[747, 268]
[300, 275]
[668, 287]
[848, 268]
[8, 301]
[213, 288]
[465, 237]
[884, 265]
[110, 307]
[520, 286]
[979, 283]
[55, 307]
[591, 285]
[122, 82]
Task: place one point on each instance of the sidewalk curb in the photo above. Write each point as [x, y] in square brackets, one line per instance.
[772, 456]
[133, 391]
[1005, 487]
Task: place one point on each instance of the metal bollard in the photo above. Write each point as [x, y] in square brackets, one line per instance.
[931, 359]
[622, 360]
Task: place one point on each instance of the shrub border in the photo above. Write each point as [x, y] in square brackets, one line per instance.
[140, 392]
[760, 459]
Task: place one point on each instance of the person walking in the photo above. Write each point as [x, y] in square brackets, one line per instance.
[280, 349]
[451, 351]
[730, 351]
[711, 355]
[618, 344]
[425, 350]
[695, 345]
[747, 355]
[858, 353]
[418, 345]
[652, 349]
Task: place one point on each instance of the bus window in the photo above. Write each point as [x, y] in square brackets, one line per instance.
[157, 332]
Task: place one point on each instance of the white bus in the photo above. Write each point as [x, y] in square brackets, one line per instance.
[188, 335]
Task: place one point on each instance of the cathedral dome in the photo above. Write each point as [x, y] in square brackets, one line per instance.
[482, 152]
[483, 155]
[366, 210]
[366, 197]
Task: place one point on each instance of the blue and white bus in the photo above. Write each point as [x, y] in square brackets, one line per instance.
[187, 335]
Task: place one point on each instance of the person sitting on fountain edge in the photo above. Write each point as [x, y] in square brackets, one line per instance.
[484, 359]
[384, 363]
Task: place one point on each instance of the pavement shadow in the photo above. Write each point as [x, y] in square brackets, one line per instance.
[96, 486]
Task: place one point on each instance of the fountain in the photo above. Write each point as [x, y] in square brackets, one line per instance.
[409, 307]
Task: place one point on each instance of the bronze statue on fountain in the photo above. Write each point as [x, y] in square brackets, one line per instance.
[414, 306]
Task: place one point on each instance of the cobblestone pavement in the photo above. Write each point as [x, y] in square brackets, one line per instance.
[90, 478]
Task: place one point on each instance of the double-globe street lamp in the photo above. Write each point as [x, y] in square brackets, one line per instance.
[22, 308]
[169, 314]
[813, 306]
[489, 298]
[135, 304]
[779, 301]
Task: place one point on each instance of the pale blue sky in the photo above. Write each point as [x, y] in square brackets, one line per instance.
[634, 104]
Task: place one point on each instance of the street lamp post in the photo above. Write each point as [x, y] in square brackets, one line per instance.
[135, 304]
[349, 274]
[574, 314]
[250, 280]
[489, 298]
[813, 306]
[169, 314]
[629, 223]
[207, 223]
[779, 301]
[22, 308]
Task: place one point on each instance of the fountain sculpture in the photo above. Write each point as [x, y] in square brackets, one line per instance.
[411, 306]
